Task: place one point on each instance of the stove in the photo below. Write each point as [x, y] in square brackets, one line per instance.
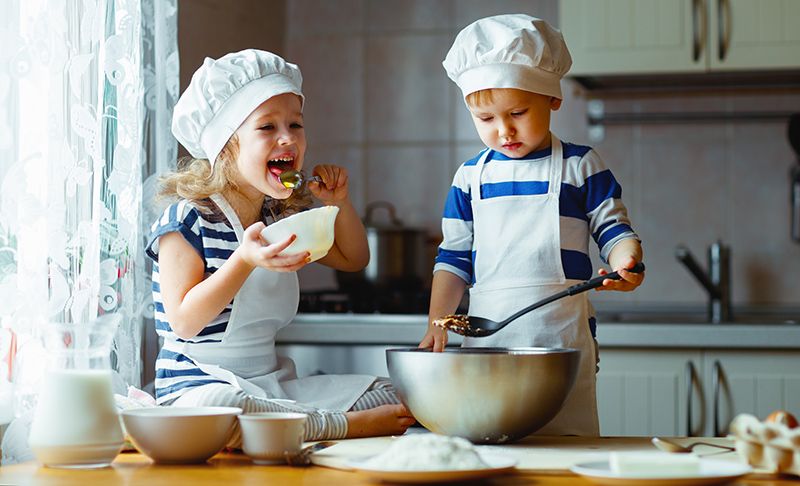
[366, 301]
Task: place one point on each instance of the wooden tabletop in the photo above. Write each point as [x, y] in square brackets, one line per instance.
[232, 469]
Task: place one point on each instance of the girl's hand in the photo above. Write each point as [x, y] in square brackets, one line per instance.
[334, 183]
[629, 280]
[435, 338]
[259, 253]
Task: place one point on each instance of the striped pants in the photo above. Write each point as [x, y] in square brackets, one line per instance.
[320, 424]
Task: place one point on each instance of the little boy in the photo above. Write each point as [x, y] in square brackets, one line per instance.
[518, 216]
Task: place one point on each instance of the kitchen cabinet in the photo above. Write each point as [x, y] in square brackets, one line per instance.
[620, 37]
[677, 392]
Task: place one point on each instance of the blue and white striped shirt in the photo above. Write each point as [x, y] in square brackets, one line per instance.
[589, 204]
[214, 239]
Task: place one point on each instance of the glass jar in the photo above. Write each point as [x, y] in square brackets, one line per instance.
[76, 424]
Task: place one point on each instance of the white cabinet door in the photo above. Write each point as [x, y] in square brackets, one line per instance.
[644, 393]
[755, 382]
[748, 34]
[680, 36]
[633, 36]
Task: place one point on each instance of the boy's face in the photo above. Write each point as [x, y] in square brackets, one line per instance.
[271, 140]
[514, 122]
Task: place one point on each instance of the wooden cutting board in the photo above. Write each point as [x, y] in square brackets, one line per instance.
[540, 454]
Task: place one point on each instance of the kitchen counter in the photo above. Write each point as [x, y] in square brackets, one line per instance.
[235, 468]
[408, 330]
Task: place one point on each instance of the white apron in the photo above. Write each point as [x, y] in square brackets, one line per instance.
[518, 262]
[246, 356]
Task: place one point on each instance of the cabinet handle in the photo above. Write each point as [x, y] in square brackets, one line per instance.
[716, 382]
[690, 374]
[699, 22]
[723, 28]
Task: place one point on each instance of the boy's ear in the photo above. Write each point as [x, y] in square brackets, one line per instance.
[555, 104]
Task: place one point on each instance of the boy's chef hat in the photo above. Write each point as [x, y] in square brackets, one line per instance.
[223, 93]
[509, 51]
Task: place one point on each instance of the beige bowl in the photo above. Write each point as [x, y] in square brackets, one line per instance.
[268, 437]
[314, 230]
[177, 435]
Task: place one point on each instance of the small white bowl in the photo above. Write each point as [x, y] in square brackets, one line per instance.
[180, 435]
[314, 230]
[269, 436]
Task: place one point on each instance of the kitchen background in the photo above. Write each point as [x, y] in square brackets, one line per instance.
[380, 104]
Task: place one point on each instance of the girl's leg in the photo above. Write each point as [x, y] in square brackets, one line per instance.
[320, 424]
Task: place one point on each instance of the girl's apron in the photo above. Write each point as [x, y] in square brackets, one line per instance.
[518, 262]
[246, 357]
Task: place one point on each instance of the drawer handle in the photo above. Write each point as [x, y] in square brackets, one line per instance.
[690, 374]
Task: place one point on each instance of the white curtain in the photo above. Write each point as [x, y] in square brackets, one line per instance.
[86, 94]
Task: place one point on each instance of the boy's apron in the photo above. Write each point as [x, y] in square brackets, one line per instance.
[518, 262]
[246, 356]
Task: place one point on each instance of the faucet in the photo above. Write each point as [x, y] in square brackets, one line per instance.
[717, 281]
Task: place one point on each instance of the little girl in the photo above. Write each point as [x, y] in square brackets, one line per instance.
[221, 292]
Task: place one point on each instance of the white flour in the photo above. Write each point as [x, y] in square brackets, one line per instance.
[427, 452]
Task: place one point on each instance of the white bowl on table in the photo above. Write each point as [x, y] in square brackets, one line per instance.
[180, 435]
[314, 230]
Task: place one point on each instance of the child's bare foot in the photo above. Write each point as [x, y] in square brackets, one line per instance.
[383, 420]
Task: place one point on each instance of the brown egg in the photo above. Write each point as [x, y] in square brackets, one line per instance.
[783, 417]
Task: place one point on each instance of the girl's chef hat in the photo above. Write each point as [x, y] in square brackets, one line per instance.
[509, 51]
[223, 93]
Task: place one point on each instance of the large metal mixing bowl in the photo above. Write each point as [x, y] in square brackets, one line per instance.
[486, 395]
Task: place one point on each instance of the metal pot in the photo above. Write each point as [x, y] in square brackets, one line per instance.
[399, 256]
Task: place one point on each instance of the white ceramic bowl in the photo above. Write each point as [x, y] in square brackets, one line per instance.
[268, 436]
[177, 435]
[314, 230]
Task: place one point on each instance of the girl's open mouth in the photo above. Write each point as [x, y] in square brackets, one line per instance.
[279, 165]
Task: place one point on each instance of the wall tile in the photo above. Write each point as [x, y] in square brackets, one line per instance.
[413, 178]
[684, 200]
[333, 85]
[383, 16]
[765, 261]
[407, 92]
[308, 18]
[468, 11]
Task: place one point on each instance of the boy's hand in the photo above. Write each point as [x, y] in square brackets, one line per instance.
[629, 280]
[333, 187]
[435, 338]
[259, 253]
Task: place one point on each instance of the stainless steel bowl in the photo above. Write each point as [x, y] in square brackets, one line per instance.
[486, 395]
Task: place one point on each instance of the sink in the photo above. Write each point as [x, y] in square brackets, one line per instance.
[650, 317]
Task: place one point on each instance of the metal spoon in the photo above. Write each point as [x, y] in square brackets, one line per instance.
[303, 457]
[669, 446]
[481, 327]
[292, 179]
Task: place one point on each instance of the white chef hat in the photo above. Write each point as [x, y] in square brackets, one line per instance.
[509, 51]
[224, 92]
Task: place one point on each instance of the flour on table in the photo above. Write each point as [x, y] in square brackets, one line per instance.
[427, 452]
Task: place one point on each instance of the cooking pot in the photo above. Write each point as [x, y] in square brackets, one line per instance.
[399, 256]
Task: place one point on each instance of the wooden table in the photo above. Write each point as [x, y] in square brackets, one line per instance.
[232, 469]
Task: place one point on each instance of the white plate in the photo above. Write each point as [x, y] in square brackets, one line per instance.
[498, 464]
[711, 472]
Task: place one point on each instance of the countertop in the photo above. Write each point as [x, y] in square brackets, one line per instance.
[236, 468]
[393, 329]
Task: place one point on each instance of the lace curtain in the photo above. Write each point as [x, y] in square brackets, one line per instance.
[86, 94]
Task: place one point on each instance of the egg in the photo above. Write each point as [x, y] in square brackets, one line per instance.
[782, 417]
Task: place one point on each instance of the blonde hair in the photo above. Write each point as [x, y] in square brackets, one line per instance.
[480, 98]
[196, 181]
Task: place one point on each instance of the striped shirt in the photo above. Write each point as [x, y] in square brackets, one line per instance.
[214, 239]
[589, 205]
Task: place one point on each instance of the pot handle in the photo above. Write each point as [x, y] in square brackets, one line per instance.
[382, 204]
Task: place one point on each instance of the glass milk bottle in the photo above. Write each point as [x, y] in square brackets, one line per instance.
[76, 424]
